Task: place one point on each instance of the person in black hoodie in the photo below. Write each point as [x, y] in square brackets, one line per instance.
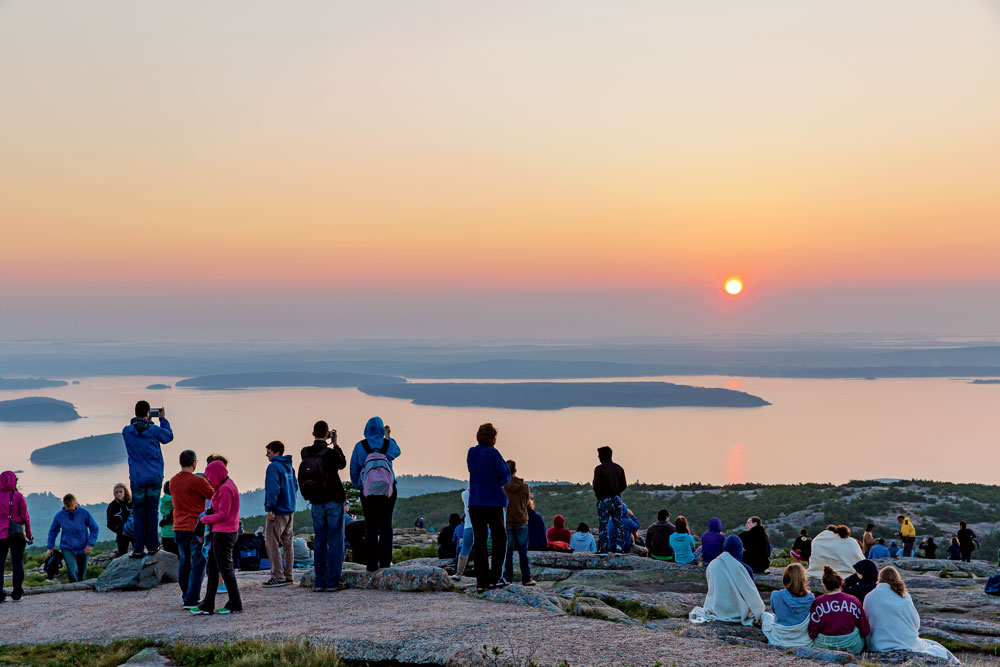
[864, 582]
[609, 483]
[319, 483]
[658, 537]
[446, 538]
[803, 547]
[756, 546]
[119, 510]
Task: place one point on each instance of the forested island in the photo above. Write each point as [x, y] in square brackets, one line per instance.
[285, 379]
[37, 409]
[91, 450]
[29, 383]
[560, 395]
[158, 386]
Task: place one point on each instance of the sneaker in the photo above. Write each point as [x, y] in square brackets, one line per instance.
[530, 582]
[274, 583]
[189, 607]
[198, 611]
[338, 587]
[319, 589]
[224, 610]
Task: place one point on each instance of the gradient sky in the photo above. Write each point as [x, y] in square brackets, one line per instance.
[558, 168]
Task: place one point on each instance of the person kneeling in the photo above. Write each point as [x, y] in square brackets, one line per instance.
[837, 620]
[788, 625]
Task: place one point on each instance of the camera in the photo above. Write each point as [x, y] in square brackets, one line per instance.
[154, 413]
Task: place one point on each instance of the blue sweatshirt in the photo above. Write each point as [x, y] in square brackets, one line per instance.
[878, 551]
[788, 609]
[145, 458]
[488, 474]
[375, 437]
[79, 530]
[683, 545]
[280, 487]
[582, 542]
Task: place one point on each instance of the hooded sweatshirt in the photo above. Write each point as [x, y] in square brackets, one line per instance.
[878, 551]
[683, 545]
[79, 530]
[790, 610]
[488, 474]
[375, 437]
[756, 548]
[583, 542]
[609, 477]
[734, 547]
[864, 582]
[280, 487]
[658, 539]
[536, 531]
[225, 516]
[907, 530]
[12, 501]
[145, 458]
[836, 615]
[559, 532]
[712, 540]
[518, 497]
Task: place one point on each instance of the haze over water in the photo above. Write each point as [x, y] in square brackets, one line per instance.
[815, 430]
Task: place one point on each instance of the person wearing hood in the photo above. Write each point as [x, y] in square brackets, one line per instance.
[79, 535]
[893, 549]
[446, 538]
[732, 596]
[712, 541]
[118, 512]
[280, 491]
[834, 547]
[372, 473]
[143, 442]
[658, 537]
[879, 550]
[908, 533]
[518, 499]
[488, 475]
[837, 620]
[756, 546]
[895, 623]
[582, 540]
[682, 543]
[558, 532]
[13, 542]
[788, 622]
[224, 518]
[863, 581]
[537, 540]
[609, 483]
[319, 480]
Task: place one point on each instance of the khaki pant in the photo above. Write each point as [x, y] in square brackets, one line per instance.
[279, 535]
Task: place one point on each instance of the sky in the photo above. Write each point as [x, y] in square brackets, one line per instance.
[549, 169]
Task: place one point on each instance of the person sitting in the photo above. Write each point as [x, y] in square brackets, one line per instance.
[893, 549]
[682, 543]
[658, 537]
[558, 532]
[929, 548]
[954, 550]
[446, 538]
[630, 525]
[879, 550]
[712, 541]
[837, 621]
[756, 546]
[863, 581]
[788, 622]
[894, 620]
[802, 548]
[583, 540]
[732, 596]
[834, 547]
[536, 529]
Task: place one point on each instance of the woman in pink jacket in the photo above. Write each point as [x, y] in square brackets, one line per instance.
[224, 518]
[15, 510]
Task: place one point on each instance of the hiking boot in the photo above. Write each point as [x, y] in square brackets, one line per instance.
[274, 583]
[338, 587]
[137, 554]
[529, 582]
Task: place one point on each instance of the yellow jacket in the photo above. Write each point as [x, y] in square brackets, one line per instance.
[907, 529]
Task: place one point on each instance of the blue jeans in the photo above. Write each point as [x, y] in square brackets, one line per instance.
[517, 538]
[76, 565]
[146, 513]
[328, 526]
[191, 570]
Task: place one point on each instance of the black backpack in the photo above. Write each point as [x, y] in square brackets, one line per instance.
[312, 475]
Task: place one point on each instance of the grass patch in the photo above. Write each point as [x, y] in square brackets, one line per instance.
[636, 610]
[410, 552]
[253, 653]
[62, 654]
[965, 647]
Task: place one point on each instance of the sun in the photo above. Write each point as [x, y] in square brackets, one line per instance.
[734, 286]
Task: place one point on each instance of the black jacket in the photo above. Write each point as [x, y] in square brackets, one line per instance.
[118, 513]
[609, 480]
[804, 545]
[333, 462]
[658, 539]
[756, 549]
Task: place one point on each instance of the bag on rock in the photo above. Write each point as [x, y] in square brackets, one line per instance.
[993, 585]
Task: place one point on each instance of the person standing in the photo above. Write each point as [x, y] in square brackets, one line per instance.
[167, 522]
[908, 533]
[119, 510]
[467, 538]
[488, 475]
[280, 489]
[373, 475]
[319, 479]
[609, 483]
[143, 441]
[15, 533]
[224, 518]
[189, 494]
[868, 539]
[518, 497]
[967, 541]
[79, 535]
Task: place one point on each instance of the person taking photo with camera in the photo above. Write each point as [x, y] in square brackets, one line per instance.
[143, 440]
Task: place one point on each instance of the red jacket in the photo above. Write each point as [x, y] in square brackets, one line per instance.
[837, 614]
[558, 532]
[225, 516]
[12, 501]
[188, 493]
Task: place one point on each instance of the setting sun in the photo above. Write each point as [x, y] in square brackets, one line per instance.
[734, 286]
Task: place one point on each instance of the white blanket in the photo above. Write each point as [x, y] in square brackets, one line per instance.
[895, 625]
[829, 548]
[732, 596]
[785, 635]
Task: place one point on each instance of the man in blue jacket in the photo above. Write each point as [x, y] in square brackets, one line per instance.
[145, 470]
[79, 535]
[280, 491]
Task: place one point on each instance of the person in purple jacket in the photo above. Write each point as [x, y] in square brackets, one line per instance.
[488, 474]
[712, 541]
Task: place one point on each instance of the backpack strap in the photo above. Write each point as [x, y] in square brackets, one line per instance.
[386, 443]
[368, 449]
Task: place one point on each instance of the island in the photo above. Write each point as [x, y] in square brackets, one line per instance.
[985, 382]
[158, 386]
[560, 395]
[287, 379]
[37, 409]
[91, 450]
[29, 383]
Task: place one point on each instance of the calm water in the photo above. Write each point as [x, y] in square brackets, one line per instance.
[816, 430]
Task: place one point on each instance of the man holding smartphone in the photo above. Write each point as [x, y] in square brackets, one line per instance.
[143, 441]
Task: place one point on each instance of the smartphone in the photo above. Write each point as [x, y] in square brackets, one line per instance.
[154, 413]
